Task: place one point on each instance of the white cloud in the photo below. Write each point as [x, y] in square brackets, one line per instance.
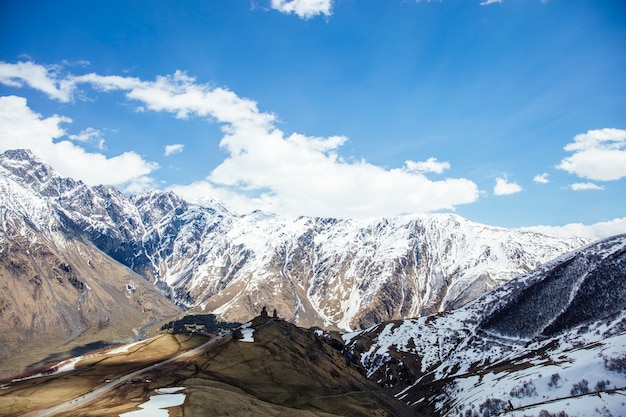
[39, 77]
[293, 175]
[430, 165]
[487, 2]
[173, 149]
[598, 155]
[305, 9]
[304, 175]
[77, 63]
[541, 178]
[504, 187]
[180, 95]
[594, 231]
[265, 169]
[89, 135]
[20, 127]
[584, 186]
[138, 184]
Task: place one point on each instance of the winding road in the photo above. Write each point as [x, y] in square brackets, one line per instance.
[104, 389]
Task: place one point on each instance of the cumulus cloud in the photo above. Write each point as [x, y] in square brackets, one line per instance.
[305, 9]
[173, 149]
[89, 135]
[20, 127]
[269, 170]
[304, 175]
[430, 165]
[598, 155]
[584, 186]
[594, 231]
[504, 187]
[541, 178]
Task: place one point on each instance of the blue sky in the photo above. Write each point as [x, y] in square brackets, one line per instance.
[510, 113]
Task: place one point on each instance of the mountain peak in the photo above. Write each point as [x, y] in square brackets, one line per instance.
[19, 154]
[17, 160]
[30, 171]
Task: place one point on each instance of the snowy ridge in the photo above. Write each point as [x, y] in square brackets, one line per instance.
[493, 352]
[314, 271]
[343, 270]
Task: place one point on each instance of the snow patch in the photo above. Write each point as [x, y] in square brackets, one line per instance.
[247, 332]
[123, 348]
[347, 337]
[61, 367]
[169, 390]
[157, 405]
[68, 365]
[248, 335]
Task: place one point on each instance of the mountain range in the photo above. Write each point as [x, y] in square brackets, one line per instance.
[450, 317]
[546, 344]
[344, 273]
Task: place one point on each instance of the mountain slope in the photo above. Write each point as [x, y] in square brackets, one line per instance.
[276, 370]
[58, 290]
[344, 273]
[529, 345]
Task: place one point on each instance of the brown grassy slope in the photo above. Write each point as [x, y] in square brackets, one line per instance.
[292, 367]
[27, 396]
[54, 299]
[287, 371]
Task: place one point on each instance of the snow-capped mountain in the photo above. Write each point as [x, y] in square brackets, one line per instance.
[59, 291]
[550, 343]
[314, 271]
